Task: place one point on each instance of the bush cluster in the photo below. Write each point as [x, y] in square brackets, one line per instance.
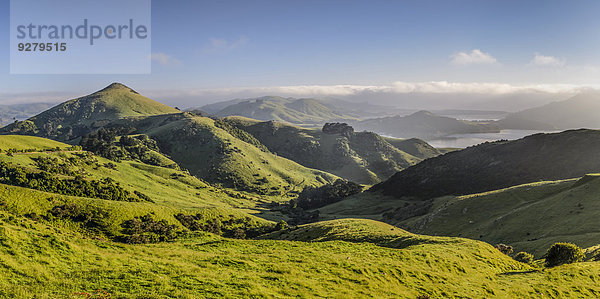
[145, 229]
[524, 257]
[77, 186]
[239, 228]
[91, 218]
[104, 143]
[563, 253]
[316, 197]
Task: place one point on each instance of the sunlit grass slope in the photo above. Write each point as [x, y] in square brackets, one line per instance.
[529, 217]
[28, 142]
[44, 262]
[214, 154]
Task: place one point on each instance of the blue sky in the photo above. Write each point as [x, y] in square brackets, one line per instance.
[225, 45]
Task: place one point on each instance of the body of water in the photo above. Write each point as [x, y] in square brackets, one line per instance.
[465, 140]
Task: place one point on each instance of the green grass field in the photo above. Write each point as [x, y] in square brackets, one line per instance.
[44, 262]
[28, 142]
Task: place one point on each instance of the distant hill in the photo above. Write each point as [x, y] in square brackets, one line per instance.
[580, 111]
[216, 107]
[501, 164]
[415, 147]
[529, 217]
[10, 113]
[362, 157]
[423, 124]
[77, 117]
[291, 110]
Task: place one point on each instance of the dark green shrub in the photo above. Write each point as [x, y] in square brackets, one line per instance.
[145, 229]
[281, 225]
[524, 257]
[239, 228]
[143, 196]
[506, 249]
[563, 253]
[91, 218]
[313, 198]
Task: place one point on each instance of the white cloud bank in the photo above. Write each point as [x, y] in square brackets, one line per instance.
[542, 60]
[476, 56]
[438, 87]
[421, 95]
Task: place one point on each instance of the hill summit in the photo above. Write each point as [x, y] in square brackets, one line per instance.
[79, 116]
[422, 124]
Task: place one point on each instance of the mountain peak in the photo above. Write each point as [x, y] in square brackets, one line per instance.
[117, 86]
[422, 113]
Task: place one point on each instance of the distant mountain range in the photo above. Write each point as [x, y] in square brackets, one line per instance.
[577, 112]
[10, 113]
[580, 111]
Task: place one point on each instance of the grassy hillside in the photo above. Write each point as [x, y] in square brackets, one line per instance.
[361, 157]
[77, 117]
[55, 245]
[221, 155]
[415, 147]
[161, 191]
[20, 143]
[501, 164]
[65, 263]
[422, 124]
[297, 111]
[529, 217]
[580, 111]
[218, 154]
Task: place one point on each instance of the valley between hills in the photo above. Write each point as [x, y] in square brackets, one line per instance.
[115, 195]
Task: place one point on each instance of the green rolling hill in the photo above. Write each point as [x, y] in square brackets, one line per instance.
[214, 153]
[74, 118]
[18, 142]
[362, 157]
[296, 111]
[529, 217]
[501, 164]
[158, 203]
[219, 155]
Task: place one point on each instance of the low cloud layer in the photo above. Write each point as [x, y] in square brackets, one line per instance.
[420, 95]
